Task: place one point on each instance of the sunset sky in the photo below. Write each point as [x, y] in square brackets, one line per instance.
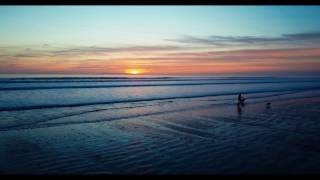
[174, 40]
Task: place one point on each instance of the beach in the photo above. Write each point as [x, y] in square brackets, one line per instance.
[200, 134]
[159, 90]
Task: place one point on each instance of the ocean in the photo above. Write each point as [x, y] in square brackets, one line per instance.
[159, 125]
[51, 92]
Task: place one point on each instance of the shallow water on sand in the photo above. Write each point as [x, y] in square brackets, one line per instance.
[188, 135]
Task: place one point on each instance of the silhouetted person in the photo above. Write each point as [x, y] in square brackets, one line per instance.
[241, 99]
[240, 104]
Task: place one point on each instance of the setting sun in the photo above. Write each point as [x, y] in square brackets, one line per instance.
[134, 71]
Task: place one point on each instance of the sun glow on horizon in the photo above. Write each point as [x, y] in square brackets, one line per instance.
[135, 71]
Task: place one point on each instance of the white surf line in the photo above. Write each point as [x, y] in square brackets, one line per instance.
[34, 126]
[73, 114]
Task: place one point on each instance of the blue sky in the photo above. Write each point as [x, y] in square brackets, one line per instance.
[148, 24]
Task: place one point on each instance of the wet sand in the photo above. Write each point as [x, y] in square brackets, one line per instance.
[189, 136]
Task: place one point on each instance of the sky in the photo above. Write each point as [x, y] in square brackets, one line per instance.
[160, 40]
